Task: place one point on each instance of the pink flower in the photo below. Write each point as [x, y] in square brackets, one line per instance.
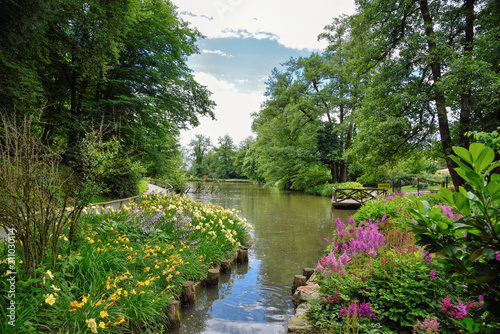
[428, 325]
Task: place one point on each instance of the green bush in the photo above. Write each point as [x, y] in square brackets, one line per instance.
[142, 186]
[326, 188]
[320, 189]
[125, 183]
[466, 233]
[309, 177]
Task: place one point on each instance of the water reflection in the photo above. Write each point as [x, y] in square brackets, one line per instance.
[288, 235]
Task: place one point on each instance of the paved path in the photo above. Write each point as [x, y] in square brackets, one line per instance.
[153, 188]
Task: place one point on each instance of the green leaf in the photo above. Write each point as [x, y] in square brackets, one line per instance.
[475, 150]
[450, 250]
[446, 195]
[459, 163]
[475, 179]
[485, 158]
[489, 253]
[461, 173]
[464, 154]
[442, 225]
[493, 190]
[461, 203]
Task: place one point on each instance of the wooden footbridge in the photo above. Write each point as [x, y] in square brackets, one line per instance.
[354, 198]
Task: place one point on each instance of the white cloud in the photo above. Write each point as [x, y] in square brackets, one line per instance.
[217, 52]
[294, 23]
[232, 111]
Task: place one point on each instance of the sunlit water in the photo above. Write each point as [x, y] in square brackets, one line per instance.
[288, 235]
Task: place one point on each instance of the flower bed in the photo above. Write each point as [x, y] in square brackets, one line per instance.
[377, 280]
[418, 265]
[126, 266]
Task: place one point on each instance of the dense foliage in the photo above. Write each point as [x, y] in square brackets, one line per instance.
[119, 64]
[222, 161]
[397, 75]
[470, 245]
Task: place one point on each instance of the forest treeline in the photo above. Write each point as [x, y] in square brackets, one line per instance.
[399, 85]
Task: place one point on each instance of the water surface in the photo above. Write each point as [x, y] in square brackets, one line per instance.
[288, 233]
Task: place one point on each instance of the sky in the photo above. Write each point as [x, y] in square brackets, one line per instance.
[244, 41]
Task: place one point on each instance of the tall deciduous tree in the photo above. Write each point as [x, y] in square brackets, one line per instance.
[225, 155]
[200, 147]
[306, 120]
[425, 73]
[121, 63]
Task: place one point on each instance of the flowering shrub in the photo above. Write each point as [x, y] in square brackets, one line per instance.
[329, 264]
[362, 310]
[428, 326]
[458, 311]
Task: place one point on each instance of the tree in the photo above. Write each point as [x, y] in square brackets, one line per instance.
[312, 94]
[225, 156]
[239, 156]
[422, 64]
[200, 146]
[329, 149]
[120, 62]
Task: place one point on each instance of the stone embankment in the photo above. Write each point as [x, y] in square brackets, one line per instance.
[189, 288]
[304, 288]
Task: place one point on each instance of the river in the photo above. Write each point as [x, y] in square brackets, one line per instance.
[288, 232]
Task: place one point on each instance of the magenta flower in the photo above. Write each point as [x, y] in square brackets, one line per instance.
[362, 310]
[427, 257]
[498, 256]
[329, 263]
[459, 311]
[433, 275]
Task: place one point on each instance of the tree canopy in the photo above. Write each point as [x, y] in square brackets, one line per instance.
[119, 64]
[397, 77]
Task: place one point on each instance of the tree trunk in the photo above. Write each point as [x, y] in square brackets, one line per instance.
[439, 97]
[465, 98]
[333, 170]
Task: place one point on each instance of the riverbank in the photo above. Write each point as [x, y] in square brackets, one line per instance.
[126, 266]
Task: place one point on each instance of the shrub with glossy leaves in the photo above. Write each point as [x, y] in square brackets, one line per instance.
[469, 245]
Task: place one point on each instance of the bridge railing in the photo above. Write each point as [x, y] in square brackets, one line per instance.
[360, 196]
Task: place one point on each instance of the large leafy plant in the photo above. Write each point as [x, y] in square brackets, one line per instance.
[468, 239]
